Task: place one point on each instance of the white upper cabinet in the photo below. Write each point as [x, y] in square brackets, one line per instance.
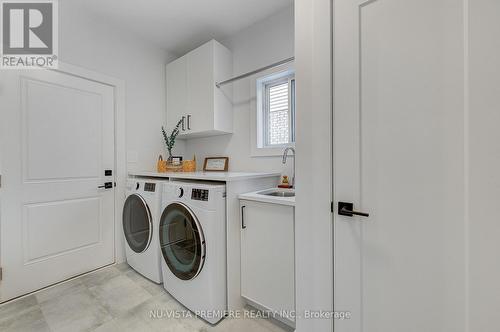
[176, 91]
[192, 95]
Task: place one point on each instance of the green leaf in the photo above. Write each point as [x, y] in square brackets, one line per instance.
[170, 140]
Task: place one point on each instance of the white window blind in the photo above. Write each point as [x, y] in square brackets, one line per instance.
[279, 131]
[279, 111]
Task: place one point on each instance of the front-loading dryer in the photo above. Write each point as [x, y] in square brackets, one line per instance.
[141, 215]
[193, 245]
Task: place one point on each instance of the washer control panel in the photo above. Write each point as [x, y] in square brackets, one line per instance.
[149, 187]
[199, 194]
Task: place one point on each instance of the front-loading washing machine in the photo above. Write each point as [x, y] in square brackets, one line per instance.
[193, 245]
[141, 215]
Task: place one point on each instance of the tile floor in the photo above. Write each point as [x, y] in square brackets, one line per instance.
[115, 298]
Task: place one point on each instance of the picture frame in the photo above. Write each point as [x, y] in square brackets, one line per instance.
[216, 164]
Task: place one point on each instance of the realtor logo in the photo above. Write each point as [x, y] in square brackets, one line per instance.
[29, 34]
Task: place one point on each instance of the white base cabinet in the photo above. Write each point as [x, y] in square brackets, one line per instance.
[192, 95]
[267, 257]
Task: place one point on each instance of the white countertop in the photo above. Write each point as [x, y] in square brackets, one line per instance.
[208, 176]
[255, 196]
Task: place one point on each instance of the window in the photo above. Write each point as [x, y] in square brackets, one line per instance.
[277, 114]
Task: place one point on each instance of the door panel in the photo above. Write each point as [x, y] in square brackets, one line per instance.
[398, 138]
[267, 255]
[57, 138]
[77, 140]
[46, 227]
[200, 82]
[177, 95]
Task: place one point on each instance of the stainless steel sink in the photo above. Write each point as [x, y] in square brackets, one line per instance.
[278, 193]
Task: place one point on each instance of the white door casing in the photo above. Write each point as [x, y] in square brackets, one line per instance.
[399, 155]
[57, 140]
[313, 219]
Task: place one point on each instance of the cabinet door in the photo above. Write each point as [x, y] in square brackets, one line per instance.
[223, 96]
[200, 83]
[176, 91]
[267, 255]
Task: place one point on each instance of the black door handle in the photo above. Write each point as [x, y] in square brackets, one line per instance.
[346, 209]
[107, 185]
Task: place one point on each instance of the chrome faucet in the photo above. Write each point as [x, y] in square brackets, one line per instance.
[285, 154]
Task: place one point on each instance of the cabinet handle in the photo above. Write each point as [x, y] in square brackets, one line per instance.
[243, 226]
[189, 122]
[183, 126]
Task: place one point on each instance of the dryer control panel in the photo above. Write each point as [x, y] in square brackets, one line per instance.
[149, 187]
[199, 194]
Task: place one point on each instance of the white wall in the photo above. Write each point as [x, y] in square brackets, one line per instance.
[263, 43]
[89, 42]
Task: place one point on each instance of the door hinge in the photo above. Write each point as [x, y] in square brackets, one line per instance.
[1, 274]
[0, 181]
[331, 207]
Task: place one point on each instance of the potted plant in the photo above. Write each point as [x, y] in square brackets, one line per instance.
[170, 142]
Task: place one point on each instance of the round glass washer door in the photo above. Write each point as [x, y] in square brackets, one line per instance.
[137, 223]
[181, 241]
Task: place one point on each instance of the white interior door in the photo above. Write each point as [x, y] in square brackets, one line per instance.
[399, 156]
[57, 139]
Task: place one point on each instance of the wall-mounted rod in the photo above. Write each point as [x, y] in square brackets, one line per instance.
[276, 64]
